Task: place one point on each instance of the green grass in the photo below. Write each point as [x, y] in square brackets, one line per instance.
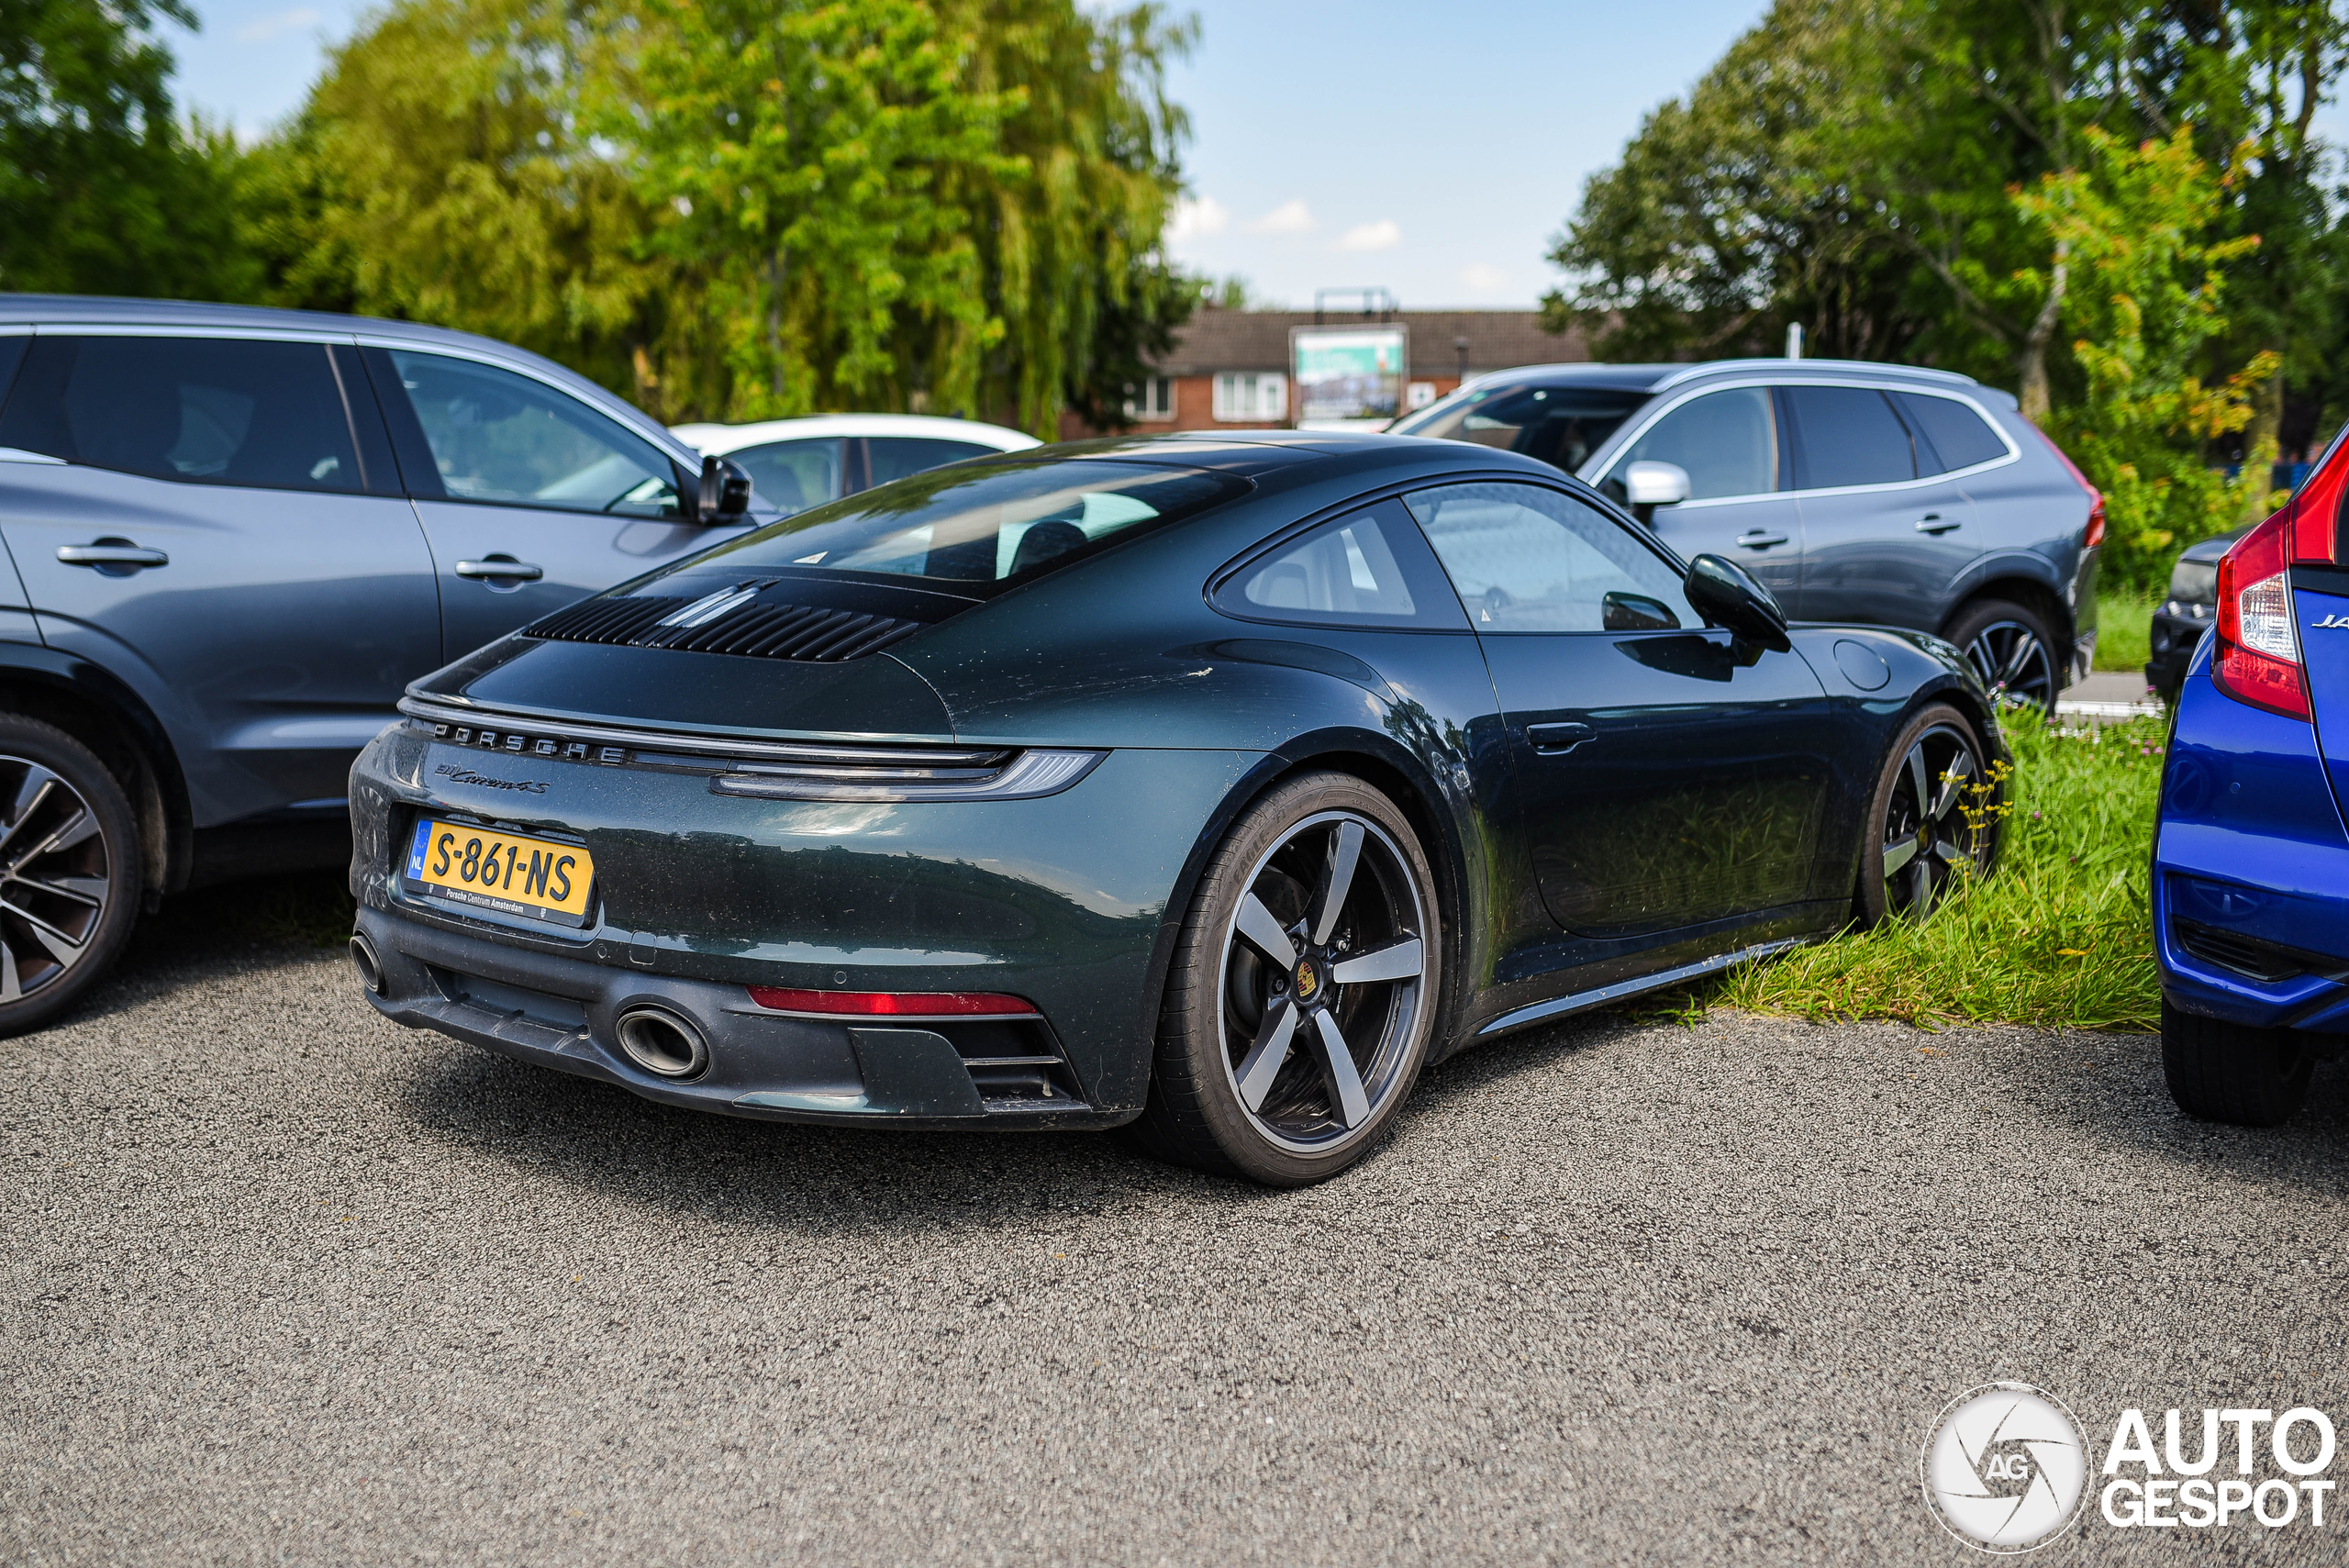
[2058, 935]
[2123, 629]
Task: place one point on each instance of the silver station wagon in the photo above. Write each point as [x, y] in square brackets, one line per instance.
[1855, 491]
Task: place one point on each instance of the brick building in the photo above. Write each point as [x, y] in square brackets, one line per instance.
[1230, 369]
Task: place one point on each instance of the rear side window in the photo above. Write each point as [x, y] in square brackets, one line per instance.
[792, 476]
[218, 411]
[1847, 435]
[1527, 559]
[1727, 440]
[894, 457]
[12, 354]
[1367, 569]
[1949, 431]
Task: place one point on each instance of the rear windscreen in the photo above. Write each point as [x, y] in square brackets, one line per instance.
[979, 528]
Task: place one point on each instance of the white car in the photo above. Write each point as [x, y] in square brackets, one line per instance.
[797, 463]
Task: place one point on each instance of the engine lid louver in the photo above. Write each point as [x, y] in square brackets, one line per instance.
[802, 632]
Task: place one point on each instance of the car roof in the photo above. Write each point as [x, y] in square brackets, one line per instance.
[718, 440]
[63, 310]
[1259, 454]
[1653, 378]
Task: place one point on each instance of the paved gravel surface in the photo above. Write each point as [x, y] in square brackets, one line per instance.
[284, 1283]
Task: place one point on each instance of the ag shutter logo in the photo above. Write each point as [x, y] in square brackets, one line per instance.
[2005, 1467]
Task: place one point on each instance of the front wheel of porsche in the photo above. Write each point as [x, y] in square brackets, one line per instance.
[1303, 989]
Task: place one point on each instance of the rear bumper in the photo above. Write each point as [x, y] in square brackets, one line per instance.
[2251, 869]
[554, 1010]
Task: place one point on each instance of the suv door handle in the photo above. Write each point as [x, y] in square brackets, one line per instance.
[1559, 738]
[500, 569]
[119, 553]
[1757, 539]
[1933, 523]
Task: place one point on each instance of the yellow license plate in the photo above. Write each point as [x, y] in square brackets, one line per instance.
[510, 872]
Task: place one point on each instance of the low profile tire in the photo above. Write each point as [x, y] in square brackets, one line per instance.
[1303, 992]
[69, 871]
[2222, 1071]
[1921, 837]
[2012, 652]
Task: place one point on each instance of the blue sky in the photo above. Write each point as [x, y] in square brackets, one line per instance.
[1430, 149]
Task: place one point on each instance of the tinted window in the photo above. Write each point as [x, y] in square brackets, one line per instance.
[894, 457]
[1559, 425]
[1526, 558]
[1370, 568]
[12, 350]
[792, 476]
[496, 435]
[1727, 440]
[222, 411]
[981, 527]
[1952, 432]
[1849, 436]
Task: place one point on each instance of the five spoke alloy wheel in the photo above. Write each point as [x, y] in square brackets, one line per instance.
[1303, 996]
[68, 851]
[2011, 654]
[1933, 819]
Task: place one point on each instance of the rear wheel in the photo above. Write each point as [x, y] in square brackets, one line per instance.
[2231, 1072]
[68, 872]
[2012, 652]
[1303, 992]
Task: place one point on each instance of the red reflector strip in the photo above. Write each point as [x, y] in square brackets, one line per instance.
[890, 1004]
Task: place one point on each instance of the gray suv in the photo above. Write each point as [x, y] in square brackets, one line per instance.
[233, 537]
[1857, 491]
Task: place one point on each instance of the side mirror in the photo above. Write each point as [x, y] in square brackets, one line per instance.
[725, 491]
[1647, 486]
[1723, 593]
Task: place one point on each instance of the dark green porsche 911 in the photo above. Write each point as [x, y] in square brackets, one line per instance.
[1211, 786]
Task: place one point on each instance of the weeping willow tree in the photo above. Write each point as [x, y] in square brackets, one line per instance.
[741, 209]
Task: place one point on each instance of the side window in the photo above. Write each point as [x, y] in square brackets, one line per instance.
[219, 411]
[794, 475]
[894, 457]
[1957, 434]
[1527, 559]
[1727, 440]
[1848, 435]
[499, 437]
[1369, 568]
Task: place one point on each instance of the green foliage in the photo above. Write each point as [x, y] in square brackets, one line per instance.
[2124, 628]
[101, 189]
[2059, 934]
[2135, 229]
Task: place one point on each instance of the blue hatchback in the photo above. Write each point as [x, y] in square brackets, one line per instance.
[2251, 857]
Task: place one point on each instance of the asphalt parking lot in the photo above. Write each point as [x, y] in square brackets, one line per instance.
[285, 1283]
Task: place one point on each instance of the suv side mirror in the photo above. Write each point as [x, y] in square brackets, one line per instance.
[1725, 596]
[725, 491]
[1647, 486]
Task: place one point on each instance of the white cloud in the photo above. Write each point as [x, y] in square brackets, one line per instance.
[1194, 220]
[1383, 235]
[1483, 277]
[1292, 217]
[260, 30]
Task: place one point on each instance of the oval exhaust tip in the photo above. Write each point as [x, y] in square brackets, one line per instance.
[664, 1043]
[364, 959]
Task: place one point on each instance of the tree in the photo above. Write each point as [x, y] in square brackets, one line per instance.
[101, 190]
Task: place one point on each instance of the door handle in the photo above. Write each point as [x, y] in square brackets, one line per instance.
[1934, 524]
[1757, 539]
[500, 569]
[119, 553]
[1557, 739]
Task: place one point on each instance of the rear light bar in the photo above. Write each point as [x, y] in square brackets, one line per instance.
[2259, 658]
[893, 1003]
[2095, 534]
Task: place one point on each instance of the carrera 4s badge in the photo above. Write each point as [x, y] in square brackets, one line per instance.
[466, 775]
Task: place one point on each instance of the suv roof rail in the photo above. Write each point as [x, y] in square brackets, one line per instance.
[1709, 367]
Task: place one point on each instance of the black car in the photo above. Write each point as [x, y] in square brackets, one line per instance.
[2188, 611]
[1212, 786]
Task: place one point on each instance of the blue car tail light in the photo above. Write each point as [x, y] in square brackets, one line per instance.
[2258, 657]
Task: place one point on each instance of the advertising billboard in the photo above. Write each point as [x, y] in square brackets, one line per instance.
[1346, 376]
